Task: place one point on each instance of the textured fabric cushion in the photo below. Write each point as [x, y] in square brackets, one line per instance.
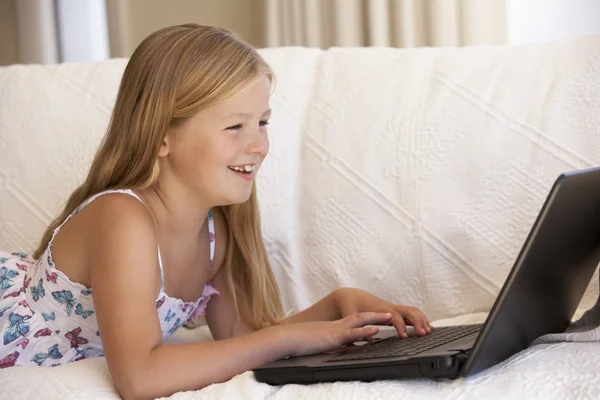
[546, 371]
[415, 174]
[411, 173]
[424, 169]
[51, 121]
[53, 117]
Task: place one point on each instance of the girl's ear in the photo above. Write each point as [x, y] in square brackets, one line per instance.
[164, 146]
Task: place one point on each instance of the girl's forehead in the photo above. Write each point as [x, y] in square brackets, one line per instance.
[249, 99]
[249, 91]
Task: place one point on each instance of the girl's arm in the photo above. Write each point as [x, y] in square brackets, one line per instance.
[125, 279]
[122, 256]
[326, 309]
[347, 301]
[221, 315]
[220, 312]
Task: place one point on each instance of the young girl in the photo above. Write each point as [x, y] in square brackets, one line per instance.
[166, 228]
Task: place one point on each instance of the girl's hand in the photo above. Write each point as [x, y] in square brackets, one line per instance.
[351, 301]
[305, 338]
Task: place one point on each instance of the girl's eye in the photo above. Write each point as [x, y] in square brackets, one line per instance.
[235, 127]
[240, 126]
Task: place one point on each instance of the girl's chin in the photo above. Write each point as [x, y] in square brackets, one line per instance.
[239, 199]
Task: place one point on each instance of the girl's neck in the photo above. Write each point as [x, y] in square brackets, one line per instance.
[176, 213]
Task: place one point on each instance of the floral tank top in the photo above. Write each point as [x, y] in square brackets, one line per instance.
[46, 319]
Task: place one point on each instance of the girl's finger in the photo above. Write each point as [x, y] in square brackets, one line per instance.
[419, 325]
[366, 318]
[417, 319]
[398, 322]
[353, 334]
[425, 322]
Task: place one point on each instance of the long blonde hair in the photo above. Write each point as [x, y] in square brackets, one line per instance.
[172, 75]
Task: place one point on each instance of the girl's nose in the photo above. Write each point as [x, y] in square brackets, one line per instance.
[258, 143]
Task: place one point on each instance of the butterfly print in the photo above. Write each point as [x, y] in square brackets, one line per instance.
[86, 292]
[83, 313]
[169, 316]
[211, 237]
[42, 332]
[65, 297]
[185, 307]
[81, 352]
[18, 327]
[25, 304]
[5, 277]
[23, 343]
[13, 294]
[26, 283]
[3, 260]
[52, 353]
[2, 311]
[20, 254]
[9, 360]
[175, 326]
[38, 291]
[160, 302]
[51, 277]
[48, 317]
[22, 267]
[73, 336]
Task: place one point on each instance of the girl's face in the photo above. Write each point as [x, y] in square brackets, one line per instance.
[217, 153]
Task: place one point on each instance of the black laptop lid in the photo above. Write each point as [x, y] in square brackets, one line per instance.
[550, 274]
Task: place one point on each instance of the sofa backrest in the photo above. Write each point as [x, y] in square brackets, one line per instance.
[412, 173]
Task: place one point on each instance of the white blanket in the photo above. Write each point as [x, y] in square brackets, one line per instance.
[412, 173]
[545, 371]
[415, 174]
[424, 169]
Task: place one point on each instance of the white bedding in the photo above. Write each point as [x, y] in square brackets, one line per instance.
[423, 170]
[415, 174]
[545, 371]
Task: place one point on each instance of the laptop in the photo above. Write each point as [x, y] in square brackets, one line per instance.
[540, 296]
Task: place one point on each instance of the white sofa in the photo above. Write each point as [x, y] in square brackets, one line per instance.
[412, 173]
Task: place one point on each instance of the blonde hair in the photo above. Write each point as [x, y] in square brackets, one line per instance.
[172, 75]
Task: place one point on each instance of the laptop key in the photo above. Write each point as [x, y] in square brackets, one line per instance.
[396, 347]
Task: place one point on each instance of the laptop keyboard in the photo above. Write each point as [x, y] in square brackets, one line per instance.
[413, 345]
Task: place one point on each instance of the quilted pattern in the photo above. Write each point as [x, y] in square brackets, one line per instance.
[409, 173]
[415, 174]
[546, 371]
[52, 119]
[424, 169]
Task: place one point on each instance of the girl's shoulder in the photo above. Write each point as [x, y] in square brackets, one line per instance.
[102, 230]
[108, 219]
[122, 202]
[117, 213]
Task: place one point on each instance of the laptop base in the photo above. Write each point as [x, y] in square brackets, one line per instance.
[435, 367]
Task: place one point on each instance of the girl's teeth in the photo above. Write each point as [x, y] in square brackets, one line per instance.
[245, 168]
